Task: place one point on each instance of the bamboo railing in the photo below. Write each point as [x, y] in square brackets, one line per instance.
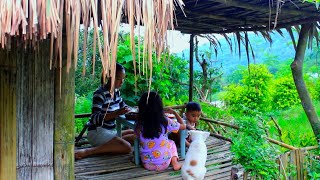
[292, 165]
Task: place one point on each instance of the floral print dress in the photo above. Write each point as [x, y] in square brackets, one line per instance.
[156, 153]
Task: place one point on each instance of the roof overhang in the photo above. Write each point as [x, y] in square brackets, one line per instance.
[227, 16]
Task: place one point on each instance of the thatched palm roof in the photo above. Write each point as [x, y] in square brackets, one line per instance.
[229, 16]
[37, 19]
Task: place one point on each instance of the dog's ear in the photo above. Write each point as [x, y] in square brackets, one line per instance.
[192, 132]
[206, 135]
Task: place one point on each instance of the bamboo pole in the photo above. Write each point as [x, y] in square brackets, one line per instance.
[219, 122]
[82, 115]
[281, 144]
[277, 126]
[221, 137]
[176, 107]
[212, 128]
[310, 148]
[8, 132]
[191, 67]
[237, 127]
[64, 121]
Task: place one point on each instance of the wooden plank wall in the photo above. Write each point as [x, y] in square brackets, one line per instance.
[35, 113]
[7, 116]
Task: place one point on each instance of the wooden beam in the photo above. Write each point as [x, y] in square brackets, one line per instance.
[206, 15]
[265, 28]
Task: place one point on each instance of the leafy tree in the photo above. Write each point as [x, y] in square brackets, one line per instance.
[253, 93]
[236, 76]
[284, 93]
[209, 78]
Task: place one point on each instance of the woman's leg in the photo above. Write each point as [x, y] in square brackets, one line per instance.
[127, 131]
[114, 146]
[128, 135]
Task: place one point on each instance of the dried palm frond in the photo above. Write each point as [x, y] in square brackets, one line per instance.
[35, 20]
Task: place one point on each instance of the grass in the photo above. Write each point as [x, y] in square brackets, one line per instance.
[295, 126]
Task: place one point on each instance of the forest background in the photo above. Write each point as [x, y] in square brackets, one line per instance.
[258, 101]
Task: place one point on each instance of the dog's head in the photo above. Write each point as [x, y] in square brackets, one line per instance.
[199, 135]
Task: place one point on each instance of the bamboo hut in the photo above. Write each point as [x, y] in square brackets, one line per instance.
[38, 55]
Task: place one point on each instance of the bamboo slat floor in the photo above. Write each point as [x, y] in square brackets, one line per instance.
[122, 166]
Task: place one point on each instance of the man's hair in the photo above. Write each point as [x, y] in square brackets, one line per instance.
[119, 68]
[193, 106]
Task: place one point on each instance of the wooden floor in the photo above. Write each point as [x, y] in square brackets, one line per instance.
[122, 166]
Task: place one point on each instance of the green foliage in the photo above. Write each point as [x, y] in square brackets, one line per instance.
[83, 105]
[313, 164]
[236, 76]
[317, 90]
[233, 97]
[284, 93]
[313, 85]
[253, 94]
[252, 151]
[283, 68]
[295, 126]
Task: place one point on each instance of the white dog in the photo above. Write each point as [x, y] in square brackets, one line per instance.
[193, 167]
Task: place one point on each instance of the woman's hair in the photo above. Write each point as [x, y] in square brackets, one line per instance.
[151, 115]
[119, 68]
[193, 106]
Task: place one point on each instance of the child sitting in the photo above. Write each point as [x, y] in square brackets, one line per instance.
[190, 118]
[192, 115]
[156, 150]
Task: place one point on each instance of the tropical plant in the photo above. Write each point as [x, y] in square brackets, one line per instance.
[252, 151]
[284, 93]
[253, 94]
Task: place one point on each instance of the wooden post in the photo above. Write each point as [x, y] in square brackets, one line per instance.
[8, 128]
[191, 67]
[64, 120]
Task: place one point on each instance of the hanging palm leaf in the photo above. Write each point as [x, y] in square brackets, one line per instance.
[35, 20]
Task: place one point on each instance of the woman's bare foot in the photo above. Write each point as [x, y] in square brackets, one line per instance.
[79, 154]
[175, 164]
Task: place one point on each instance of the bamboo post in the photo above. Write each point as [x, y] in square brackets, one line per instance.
[292, 161]
[283, 164]
[191, 67]
[64, 121]
[8, 132]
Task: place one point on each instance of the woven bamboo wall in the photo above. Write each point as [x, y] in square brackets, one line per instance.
[7, 116]
[35, 113]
